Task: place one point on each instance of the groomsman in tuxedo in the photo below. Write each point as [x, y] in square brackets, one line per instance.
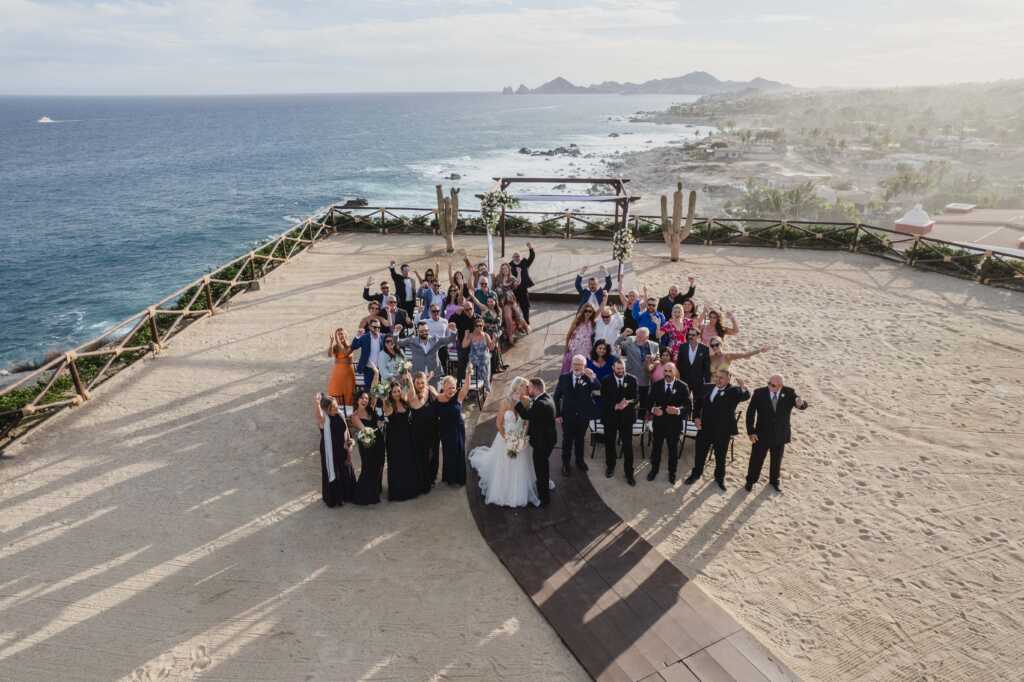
[716, 423]
[670, 404]
[520, 268]
[619, 398]
[405, 288]
[574, 408]
[694, 363]
[768, 428]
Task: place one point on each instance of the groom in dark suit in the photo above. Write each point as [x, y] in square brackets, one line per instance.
[540, 414]
[574, 408]
[768, 428]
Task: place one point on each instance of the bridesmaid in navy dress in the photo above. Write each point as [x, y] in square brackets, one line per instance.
[371, 475]
[404, 471]
[422, 399]
[337, 479]
[453, 428]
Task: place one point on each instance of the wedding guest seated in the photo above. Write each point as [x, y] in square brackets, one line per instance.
[390, 358]
[505, 282]
[342, 384]
[675, 298]
[383, 297]
[373, 313]
[369, 346]
[601, 359]
[650, 317]
[371, 448]
[713, 326]
[337, 479]
[593, 295]
[404, 474]
[722, 360]
[640, 355]
[393, 315]
[609, 325]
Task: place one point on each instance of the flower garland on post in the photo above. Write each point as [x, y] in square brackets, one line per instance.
[491, 205]
[622, 245]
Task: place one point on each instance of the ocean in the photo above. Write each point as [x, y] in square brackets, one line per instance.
[118, 201]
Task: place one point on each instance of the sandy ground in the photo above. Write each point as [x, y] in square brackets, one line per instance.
[895, 551]
[173, 527]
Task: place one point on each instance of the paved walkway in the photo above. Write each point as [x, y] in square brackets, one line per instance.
[622, 609]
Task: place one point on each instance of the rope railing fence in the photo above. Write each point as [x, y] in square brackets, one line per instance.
[69, 378]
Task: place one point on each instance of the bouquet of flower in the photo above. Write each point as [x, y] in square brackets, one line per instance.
[491, 204]
[379, 390]
[367, 436]
[402, 366]
[622, 244]
[515, 438]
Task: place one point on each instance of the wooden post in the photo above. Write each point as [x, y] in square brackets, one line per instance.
[153, 329]
[76, 377]
[568, 222]
[677, 219]
[501, 224]
[209, 293]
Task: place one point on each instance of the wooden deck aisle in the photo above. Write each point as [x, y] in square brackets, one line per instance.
[623, 610]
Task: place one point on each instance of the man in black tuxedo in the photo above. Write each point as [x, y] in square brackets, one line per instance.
[619, 397]
[716, 423]
[768, 428]
[694, 363]
[670, 405]
[405, 288]
[540, 414]
[574, 408]
[674, 298]
[521, 270]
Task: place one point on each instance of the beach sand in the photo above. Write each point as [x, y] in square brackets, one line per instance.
[173, 525]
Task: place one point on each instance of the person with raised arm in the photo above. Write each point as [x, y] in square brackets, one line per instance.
[426, 444]
[675, 298]
[609, 325]
[452, 427]
[405, 287]
[405, 478]
[383, 297]
[593, 295]
[342, 384]
[337, 479]
[424, 348]
[713, 326]
[580, 339]
[366, 427]
[369, 346]
[722, 360]
[480, 345]
[521, 270]
[769, 430]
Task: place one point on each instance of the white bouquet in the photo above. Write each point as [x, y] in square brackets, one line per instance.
[380, 390]
[367, 436]
[402, 366]
[622, 244]
[515, 438]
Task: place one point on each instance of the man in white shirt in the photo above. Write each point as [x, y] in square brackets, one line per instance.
[405, 288]
[608, 326]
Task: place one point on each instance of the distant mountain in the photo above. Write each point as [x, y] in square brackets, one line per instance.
[693, 83]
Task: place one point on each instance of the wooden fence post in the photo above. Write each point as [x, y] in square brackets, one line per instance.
[209, 293]
[153, 329]
[568, 223]
[75, 376]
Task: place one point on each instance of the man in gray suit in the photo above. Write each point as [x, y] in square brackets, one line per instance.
[639, 353]
[423, 349]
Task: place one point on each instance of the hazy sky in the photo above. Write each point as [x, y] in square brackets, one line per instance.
[244, 46]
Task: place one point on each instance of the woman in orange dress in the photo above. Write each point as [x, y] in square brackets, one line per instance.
[342, 384]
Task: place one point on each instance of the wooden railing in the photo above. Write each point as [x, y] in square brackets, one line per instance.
[69, 379]
[980, 263]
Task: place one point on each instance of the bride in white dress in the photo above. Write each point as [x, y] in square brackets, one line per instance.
[504, 480]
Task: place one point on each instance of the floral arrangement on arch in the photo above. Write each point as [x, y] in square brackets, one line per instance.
[623, 242]
[491, 204]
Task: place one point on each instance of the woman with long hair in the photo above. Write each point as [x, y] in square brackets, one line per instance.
[480, 345]
[422, 399]
[601, 359]
[505, 282]
[512, 318]
[453, 301]
[722, 360]
[389, 358]
[342, 384]
[404, 474]
[452, 428]
[492, 315]
[371, 474]
[713, 326]
[580, 339]
[337, 479]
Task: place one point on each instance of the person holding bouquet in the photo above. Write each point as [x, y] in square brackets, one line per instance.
[366, 426]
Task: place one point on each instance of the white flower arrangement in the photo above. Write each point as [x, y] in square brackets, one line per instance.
[367, 436]
[622, 244]
[515, 438]
[402, 366]
[491, 204]
[380, 390]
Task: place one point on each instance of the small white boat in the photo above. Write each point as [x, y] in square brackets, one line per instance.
[45, 119]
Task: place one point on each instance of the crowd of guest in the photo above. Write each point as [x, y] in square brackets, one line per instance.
[398, 383]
